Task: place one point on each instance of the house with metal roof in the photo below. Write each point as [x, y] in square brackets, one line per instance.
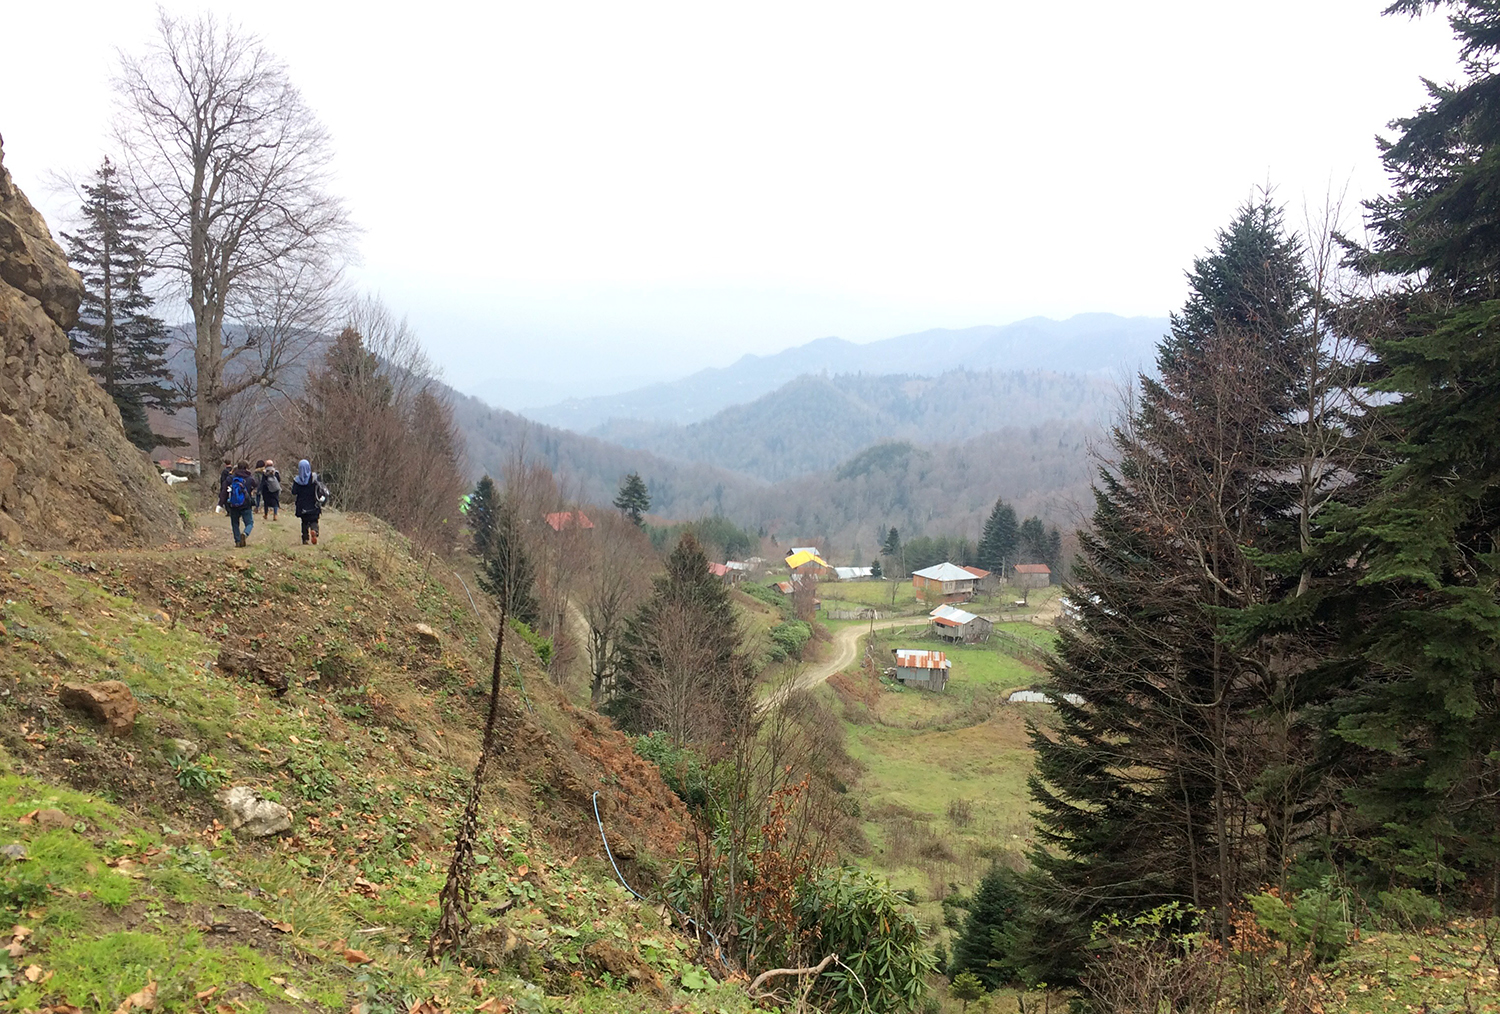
[954, 624]
[854, 573]
[921, 668]
[1032, 575]
[806, 561]
[944, 582]
[558, 520]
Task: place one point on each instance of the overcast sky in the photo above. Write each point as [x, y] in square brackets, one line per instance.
[570, 196]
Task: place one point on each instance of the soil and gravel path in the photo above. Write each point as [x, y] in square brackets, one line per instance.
[846, 649]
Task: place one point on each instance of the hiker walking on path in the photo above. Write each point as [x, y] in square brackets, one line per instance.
[224, 473]
[260, 481]
[270, 491]
[238, 497]
[310, 495]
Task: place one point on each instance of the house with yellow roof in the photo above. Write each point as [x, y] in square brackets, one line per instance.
[806, 561]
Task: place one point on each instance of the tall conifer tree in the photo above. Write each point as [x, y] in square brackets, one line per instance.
[1416, 694]
[117, 336]
[1000, 542]
[1141, 788]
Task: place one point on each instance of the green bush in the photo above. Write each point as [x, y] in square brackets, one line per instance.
[791, 637]
[1308, 919]
[1409, 908]
[539, 644]
[680, 767]
[859, 917]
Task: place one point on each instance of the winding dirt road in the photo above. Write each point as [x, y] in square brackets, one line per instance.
[846, 649]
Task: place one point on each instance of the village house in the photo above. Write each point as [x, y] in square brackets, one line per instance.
[806, 561]
[986, 578]
[921, 668]
[954, 624]
[558, 520]
[1032, 575]
[854, 573]
[944, 582]
[727, 572]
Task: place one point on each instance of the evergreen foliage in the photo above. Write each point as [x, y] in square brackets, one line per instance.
[508, 573]
[1177, 779]
[1417, 701]
[123, 344]
[892, 545]
[981, 949]
[481, 517]
[680, 655]
[1000, 543]
[634, 499]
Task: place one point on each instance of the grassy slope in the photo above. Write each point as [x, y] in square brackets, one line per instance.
[370, 748]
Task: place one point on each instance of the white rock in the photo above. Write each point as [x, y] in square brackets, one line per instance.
[253, 813]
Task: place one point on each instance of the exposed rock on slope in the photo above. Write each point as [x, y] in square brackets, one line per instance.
[68, 475]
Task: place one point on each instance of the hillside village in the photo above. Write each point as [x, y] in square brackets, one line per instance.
[325, 688]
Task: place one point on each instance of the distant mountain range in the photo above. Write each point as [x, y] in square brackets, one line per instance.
[1094, 343]
[815, 422]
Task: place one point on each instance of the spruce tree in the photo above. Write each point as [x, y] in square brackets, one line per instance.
[480, 517]
[999, 545]
[634, 499]
[1415, 695]
[123, 344]
[686, 595]
[980, 948]
[1141, 789]
[508, 573]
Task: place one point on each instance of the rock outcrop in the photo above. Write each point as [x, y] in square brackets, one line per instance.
[68, 475]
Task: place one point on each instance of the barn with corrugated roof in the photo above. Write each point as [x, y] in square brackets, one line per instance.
[922, 668]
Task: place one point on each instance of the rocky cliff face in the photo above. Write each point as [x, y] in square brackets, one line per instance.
[68, 476]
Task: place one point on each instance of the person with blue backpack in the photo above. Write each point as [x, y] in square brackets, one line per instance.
[238, 496]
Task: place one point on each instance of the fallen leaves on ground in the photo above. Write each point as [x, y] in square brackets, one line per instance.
[142, 999]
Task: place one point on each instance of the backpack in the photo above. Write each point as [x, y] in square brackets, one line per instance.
[272, 482]
[321, 490]
[238, 493]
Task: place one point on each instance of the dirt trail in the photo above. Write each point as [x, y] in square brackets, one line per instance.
[846, 648]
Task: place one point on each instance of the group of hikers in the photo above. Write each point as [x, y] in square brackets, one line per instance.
[242, 492]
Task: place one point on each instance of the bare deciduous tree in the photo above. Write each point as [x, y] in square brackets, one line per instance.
[230, 169]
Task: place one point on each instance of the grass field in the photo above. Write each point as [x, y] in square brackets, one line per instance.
[943, 791]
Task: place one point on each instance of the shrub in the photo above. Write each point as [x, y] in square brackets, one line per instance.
[1409, 908]
[792, 636]
[680, 768]
[1306, 921]
[539, 644]
[859, 917]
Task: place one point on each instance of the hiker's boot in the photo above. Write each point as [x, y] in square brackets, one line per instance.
[239, 542]
[315, 536]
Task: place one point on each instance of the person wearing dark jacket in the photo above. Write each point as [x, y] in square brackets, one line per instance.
[238, 496]
[310, 493]
[224, 473]
[270, 491]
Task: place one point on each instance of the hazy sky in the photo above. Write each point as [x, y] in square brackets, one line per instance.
[577, 196]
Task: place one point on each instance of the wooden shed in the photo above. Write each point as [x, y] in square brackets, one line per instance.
[921, 668]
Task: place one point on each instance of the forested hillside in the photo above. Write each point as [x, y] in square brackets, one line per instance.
[944, 489]
[815, 422]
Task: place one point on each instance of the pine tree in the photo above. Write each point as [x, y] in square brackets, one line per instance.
[634, 499]
[508, 573]
[875, 570]
[480, 517]
[1414, 699]
[979, 947]
[1000, 544]
[122, 343]
[1141, 790]
[1034, 543]
[682, 649]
